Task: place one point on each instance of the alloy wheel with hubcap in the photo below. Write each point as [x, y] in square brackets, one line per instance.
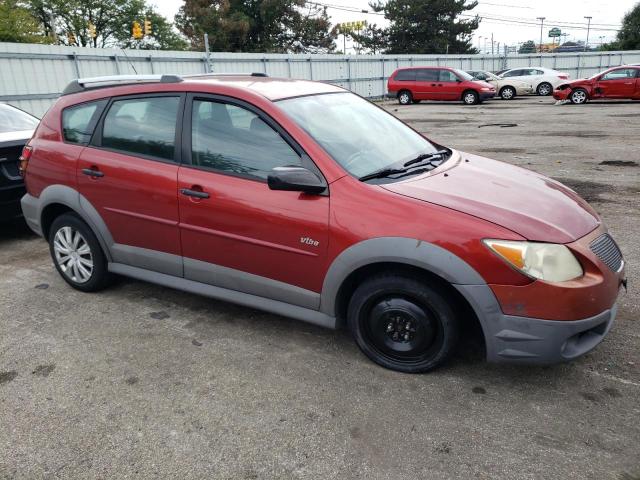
[545, 89]
[507, 93]
[578, 97]
[404, 98]
[77, 254]
[73, 254]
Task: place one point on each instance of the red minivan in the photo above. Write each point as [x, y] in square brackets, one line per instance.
[411, 85]
[303, 199]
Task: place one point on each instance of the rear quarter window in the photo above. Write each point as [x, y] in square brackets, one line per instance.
[405, 76]
[79, 121]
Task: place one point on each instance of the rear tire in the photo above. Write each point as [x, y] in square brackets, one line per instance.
[470, 97]
[579, 96]
[77, 254]
[544, 89]
[402, 323]
[405, 97]
[508, 93]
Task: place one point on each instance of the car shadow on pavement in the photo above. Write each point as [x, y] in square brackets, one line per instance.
[15, 230]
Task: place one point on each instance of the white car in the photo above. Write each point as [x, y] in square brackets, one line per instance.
[543, 80]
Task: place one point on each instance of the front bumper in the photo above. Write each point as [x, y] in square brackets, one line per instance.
[487, 95]
[10, 201]
[532, 341]
[561, 94]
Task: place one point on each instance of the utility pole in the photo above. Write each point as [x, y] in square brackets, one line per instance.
[491, 43]
[541, 27]
[586, 44]
[480, 44]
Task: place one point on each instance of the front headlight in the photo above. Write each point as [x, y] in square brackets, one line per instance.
[551, 262]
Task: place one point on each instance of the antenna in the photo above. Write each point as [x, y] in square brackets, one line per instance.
[130, 63]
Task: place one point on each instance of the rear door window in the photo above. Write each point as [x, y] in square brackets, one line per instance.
[405, 76]
[427, 75]
[79, 121]
[234, 140]
[144, 126]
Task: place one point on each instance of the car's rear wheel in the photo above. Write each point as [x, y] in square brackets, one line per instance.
[77, 254]
[507, 93]
[544, 89]
[579, 96]
[404, 97]
[470, 97]
[402, 323]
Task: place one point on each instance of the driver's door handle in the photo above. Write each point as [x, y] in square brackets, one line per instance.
[194, 193]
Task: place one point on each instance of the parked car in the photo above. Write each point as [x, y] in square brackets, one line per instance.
[543, 80]
[16, 128]
[303, 199]
[615, 83]
[437, 83]
[506, 88]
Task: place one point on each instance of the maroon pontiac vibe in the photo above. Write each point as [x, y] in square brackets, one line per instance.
[305, 200]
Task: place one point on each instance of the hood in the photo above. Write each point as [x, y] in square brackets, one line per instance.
[532, 205]
[482, 83]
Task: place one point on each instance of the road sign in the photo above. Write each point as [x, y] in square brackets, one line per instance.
[555, 32]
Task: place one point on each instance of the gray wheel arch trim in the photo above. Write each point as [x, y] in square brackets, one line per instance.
[409, 251]
[71, 198]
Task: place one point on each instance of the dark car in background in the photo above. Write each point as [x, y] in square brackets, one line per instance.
[16, 128]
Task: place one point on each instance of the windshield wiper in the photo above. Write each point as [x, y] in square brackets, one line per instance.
[426, 156]
[408, 166]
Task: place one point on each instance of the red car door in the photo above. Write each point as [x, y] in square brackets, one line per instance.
[129, 175]
[618, 83]
[451, 88]
[427, 84]
[237, 233]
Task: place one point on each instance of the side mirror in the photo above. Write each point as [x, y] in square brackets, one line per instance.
[295, 179]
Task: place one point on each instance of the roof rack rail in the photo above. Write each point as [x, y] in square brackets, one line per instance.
[82, 84]
[231, 74]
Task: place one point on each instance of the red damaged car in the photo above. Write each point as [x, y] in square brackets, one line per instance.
[303, 199]
[615, 83]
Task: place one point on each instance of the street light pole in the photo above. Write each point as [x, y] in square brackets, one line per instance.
[541, 27]
[586, 44]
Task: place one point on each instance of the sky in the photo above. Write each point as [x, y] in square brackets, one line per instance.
[509, 21]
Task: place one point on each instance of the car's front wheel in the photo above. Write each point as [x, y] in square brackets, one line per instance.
[544, 89]
[579, 96]
[77, 254]
[470, 97]
[404, 97]
[403, 323]
[508, 93]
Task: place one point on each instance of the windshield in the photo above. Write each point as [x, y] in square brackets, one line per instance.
[462, 74]
[14, 120]
[358, 135]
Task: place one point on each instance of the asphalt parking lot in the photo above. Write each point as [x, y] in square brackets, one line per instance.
[141, 381]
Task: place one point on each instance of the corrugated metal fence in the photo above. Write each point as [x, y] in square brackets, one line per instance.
[32, 76]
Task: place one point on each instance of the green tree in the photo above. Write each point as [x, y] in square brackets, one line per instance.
[628, 37]
[70, 20]
[256, 26]
[371, 39]
[18, 25]
[428, 26]
[528, 47]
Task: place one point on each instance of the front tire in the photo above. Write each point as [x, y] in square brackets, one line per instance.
[544, 89]
[405, 97]
[402, 323]
[579, 96]
[508, 93]
[77, 254]
[470, 97]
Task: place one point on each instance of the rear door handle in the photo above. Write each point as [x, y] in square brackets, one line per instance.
[92, 172]
[193, 193]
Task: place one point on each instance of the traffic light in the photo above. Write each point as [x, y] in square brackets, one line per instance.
[147, 26]
[92, 30]
[136, 31]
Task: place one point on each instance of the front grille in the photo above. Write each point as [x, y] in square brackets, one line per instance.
[606, 249]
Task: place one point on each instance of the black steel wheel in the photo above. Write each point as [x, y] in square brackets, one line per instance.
[402, 323]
